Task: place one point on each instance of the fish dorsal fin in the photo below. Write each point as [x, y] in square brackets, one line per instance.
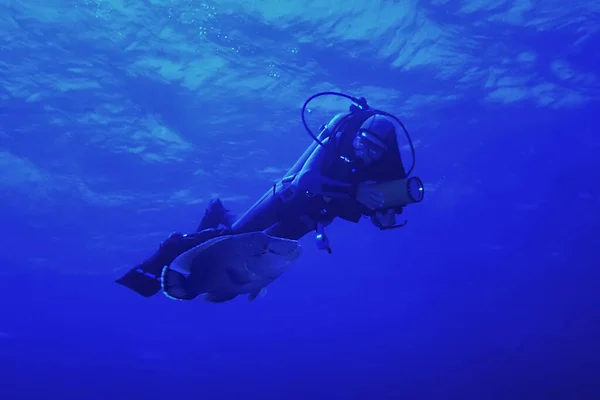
[183, 262]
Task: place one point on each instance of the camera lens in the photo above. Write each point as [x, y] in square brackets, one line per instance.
[415, 189]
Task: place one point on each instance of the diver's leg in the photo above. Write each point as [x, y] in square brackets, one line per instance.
[293, 229]
[264, 213]
[283, 201]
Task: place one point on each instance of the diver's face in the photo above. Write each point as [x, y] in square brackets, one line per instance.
[367, 150]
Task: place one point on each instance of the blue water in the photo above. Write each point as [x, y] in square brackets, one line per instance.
[120, 119]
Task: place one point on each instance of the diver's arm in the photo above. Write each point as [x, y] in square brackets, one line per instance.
[310, 178]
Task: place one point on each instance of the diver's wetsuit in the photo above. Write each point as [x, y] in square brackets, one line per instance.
[284, 211]
[278, 213]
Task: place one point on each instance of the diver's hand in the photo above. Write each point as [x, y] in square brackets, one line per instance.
[369, 195]
[384, 219]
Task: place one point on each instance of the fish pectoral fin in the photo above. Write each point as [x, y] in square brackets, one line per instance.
[262, 292]
[219, 297]
[238, 277]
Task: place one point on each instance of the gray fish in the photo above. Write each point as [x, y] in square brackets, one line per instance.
[226, 266]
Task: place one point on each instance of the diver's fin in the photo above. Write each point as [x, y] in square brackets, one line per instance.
[174, 285]
[140, 281]
[219, 297]
[144, 278]
[216, 214]
[262, 292]
[237, 277]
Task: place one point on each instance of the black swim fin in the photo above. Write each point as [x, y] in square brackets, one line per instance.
[144, 278]
[215, 215]
[140, 281]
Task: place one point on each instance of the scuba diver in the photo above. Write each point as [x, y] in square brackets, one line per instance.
[352, 169]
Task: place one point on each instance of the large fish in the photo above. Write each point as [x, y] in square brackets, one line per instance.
[226, 266]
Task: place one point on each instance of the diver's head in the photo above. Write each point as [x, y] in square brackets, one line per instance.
[373, 139]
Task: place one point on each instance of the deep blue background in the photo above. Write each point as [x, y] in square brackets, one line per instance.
[489, 292]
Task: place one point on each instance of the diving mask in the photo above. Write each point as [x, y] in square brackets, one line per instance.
[370, 144]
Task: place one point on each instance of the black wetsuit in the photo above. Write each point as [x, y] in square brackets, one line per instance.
[282, 212]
